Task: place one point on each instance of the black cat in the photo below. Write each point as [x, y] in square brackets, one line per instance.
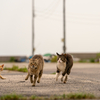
[64, 65]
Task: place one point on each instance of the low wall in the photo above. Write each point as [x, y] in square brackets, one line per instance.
[84, 55]
[75, 55]
[8, 58]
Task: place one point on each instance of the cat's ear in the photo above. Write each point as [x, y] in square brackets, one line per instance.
[2, 65]
[65, 55]
[57, 54]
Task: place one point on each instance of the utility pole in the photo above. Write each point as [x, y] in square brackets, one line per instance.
[64, 27]
[33, 27]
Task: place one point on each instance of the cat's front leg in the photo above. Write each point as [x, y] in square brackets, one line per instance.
[63, 74]
[31, 78]
[27, 76]
[62, 78]
[57, 74]
[2, 77]
[28, 73]
[35, 78]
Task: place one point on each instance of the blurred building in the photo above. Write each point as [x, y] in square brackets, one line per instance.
[76, 56]
[13, 58]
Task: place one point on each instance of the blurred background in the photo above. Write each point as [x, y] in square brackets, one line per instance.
[82, 29]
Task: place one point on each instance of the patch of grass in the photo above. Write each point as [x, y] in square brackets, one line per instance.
[61, 97]
[98, 55]
[22, 69]
[64, 96]
[55, 97]
[80, 96]
[54, 59]
[12, 59]
[92, 60]
[12, 97]
[83, 61]
[16, 68]
[33, 97]
[53, 73]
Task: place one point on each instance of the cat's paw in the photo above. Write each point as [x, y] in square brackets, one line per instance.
[56, 79]
[38, 81]
[33, 85]
[3, 78]
[31, 81]
[26, 78]
[62, 79]
[64, 82]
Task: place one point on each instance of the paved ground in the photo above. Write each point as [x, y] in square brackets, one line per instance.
[85, 77]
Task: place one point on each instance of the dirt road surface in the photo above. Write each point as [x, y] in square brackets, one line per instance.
[84, 77]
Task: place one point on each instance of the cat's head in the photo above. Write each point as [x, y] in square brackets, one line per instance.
[61, 58]
[33, 63]
[1, 67]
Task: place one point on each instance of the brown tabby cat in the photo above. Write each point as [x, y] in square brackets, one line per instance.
[1, 69]
[64, 65]
[35, 67]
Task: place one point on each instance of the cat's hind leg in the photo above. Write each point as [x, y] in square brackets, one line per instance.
[40, 75]
[66, 76]
[63, 74]
[65, 79]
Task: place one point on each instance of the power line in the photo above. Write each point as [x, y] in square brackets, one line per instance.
[72, 19]
[86, 23]
[75, 16]
[81, 14]
[44, 14]
[48, 8]
[50, 18]
[48, 14]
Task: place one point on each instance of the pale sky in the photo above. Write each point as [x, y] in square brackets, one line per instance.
[82, 26]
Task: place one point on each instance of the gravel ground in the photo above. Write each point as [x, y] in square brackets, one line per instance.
[85, 77]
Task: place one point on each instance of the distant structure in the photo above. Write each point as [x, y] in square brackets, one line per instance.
[84, 55]
[12, 58]
[75, 55]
